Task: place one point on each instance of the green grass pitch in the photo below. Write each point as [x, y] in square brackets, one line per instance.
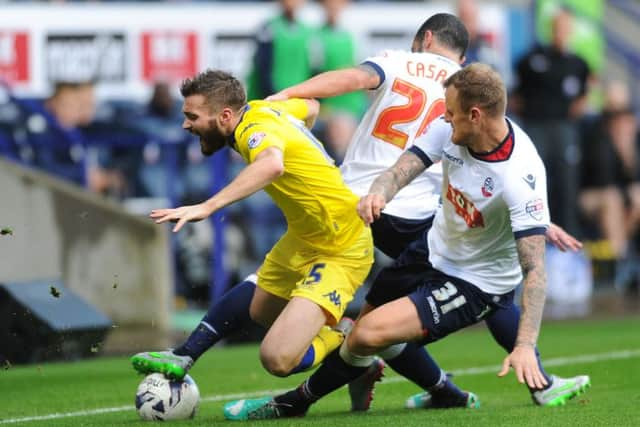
[101, 392]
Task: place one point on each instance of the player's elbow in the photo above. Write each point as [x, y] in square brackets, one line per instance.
[314, 108]
[271, 163]
[361, 80]
[312, 113]
[277, 168]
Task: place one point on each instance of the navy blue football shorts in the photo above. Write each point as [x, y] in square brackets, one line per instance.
[392, 234]
[445, 303]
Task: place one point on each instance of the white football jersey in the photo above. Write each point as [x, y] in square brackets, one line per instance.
[488, 201]
[410, 96]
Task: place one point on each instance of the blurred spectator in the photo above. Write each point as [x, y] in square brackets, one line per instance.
[72, 104]
[550, 96]
[165, 151]
[59, 147]
[337, 133]
[337, 49]
[47, 133]
[282, 57]
[482, 46]
[162, 104]
[611, 179]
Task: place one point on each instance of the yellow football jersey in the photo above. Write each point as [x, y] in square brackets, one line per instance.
[319, 208]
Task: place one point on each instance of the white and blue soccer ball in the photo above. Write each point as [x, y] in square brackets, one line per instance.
[159, 398]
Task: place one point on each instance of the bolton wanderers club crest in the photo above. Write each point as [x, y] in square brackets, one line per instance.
[487, 187]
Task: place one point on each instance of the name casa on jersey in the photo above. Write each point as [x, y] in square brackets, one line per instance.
[427, 71]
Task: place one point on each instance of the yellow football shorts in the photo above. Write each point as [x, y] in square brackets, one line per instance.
[293, 267]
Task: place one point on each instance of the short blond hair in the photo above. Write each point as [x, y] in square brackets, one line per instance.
[480, 86]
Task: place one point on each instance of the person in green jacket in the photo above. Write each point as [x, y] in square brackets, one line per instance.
[283, 52]
[336, 48]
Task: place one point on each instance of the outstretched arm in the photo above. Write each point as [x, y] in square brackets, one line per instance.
[267, 166]
[407, 167]
[331, 83]
[523, 357]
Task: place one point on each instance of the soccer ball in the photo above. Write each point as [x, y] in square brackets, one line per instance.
[159, 398]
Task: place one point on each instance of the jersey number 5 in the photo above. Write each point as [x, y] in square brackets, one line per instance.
[406, 113]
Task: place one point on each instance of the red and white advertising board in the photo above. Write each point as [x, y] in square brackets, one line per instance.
[126, 47]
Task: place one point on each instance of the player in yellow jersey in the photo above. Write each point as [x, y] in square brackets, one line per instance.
[313, 271]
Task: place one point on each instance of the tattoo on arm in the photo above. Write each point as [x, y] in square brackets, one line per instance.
[531, 255]
[397, 176]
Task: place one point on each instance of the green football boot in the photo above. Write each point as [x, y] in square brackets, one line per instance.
[561, 390]
[263, 408]
[424, 400]
[164, 362]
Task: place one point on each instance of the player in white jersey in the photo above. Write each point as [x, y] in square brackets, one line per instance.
[487, 236]
[491, 197]
[407, 96]
[486, 239]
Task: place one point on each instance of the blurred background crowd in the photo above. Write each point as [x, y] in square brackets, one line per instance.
[574, 93]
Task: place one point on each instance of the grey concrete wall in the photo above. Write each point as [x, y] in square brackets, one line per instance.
[116, 261]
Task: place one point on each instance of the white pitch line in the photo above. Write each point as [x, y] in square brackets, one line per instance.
[559, 361]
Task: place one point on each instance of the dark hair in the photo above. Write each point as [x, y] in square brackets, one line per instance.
[218, 87]
[448, 30]
[480, 86]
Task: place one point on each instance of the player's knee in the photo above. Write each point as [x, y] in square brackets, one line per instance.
[276, 362]
[365, 339]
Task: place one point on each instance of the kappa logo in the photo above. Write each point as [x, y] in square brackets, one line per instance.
[531, 180]
[487, 187]
[255, 139]
[334, 297]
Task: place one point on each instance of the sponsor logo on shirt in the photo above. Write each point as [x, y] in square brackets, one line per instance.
[535, 208]
[434, 310]
[465, 208]
[530, 180]
[487, 187]
[255, 139]
[453, 159]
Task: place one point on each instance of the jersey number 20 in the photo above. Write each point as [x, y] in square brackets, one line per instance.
[406, 113]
